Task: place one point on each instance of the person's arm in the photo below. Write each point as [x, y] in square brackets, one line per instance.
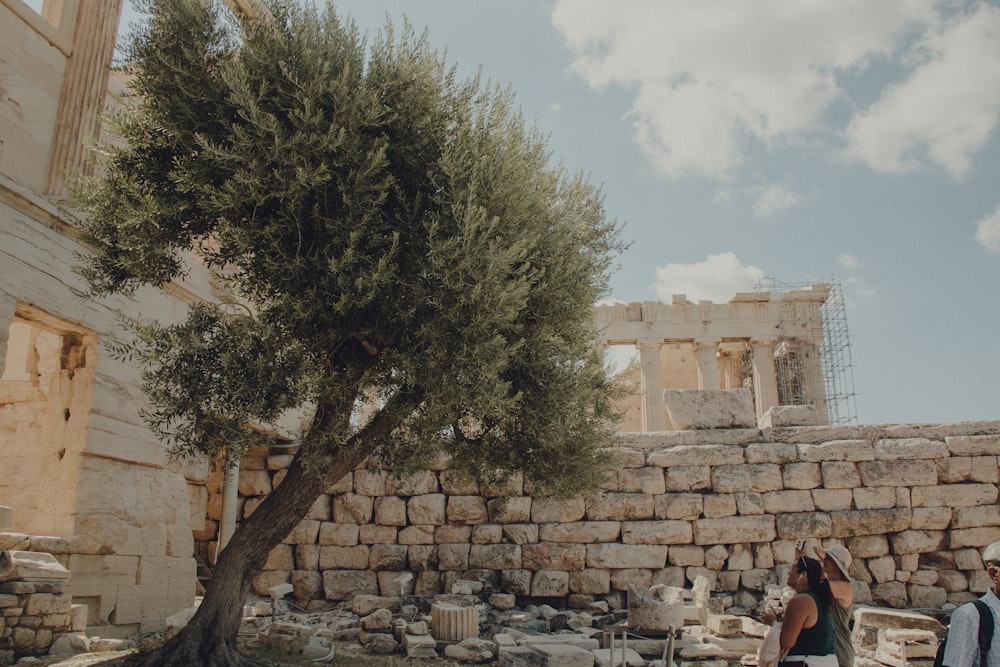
[800, 612]
[843, 592]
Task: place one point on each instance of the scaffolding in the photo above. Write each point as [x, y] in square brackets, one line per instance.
[803, 336]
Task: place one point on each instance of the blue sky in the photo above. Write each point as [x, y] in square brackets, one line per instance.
[853, 141]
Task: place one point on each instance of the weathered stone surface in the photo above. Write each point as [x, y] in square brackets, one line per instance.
[875, 498]
[626, 555]
[655, 532]
[910, 448]
[339, 534]
[718, 505]
[352, 508]
[419, 483]
[31, 566]
[771, 452]
[802, 476]
[974, 445]
[922, 472]
[779, 502]
[619, 506]
[747, 477]
[637, 480]
[387, 557]
[581, 532]
[550, 583]
[869, 522]
[954, 495]
[837, 450]
[495, 556]
[917, 541]
[549, 510]
[373, 534]
[593, 581]
[695, 455]
[466, 509]
[678, 506]
[344, 558]
[509, 510]
[688, 478]
[734, 530]
[554, 556]
[390, 511]
[789, 415]
[709, 409]
[521, 533]
[487, 533]
[346, 584]
[416, 535]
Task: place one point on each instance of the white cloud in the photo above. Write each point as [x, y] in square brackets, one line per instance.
[988, 232]
[848, 261]
[715, 80]
[717, 279]
[947, 108]
[775, 198]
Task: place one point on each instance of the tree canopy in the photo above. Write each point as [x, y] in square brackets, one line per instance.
[393, 232]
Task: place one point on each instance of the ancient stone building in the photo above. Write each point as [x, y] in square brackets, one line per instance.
[77, 462]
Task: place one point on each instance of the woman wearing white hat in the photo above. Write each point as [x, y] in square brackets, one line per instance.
[836, 561]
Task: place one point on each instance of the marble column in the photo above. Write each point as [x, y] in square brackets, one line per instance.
[706, 354]
[654, 416]
[84, 88]
[765, 383]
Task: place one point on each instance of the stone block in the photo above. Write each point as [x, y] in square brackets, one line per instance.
[509, 510]
[344, 558]
[466, 510]
[346, 584]
[419, 483]
[656, 532]
[772, 452]
[869, 522]
[426, 509]
[564, 655]
[35, 566]
[908, 472]
[352, 508]
[802, 476]
[553, 556]
[521, 533]
[495, 556]
[790, 415]
[688, 478]
[881, 497]
[254, 483]
[419, 646]
[831, 500]
[837, 450]
[910, 449]
[973, 445]
[551, 510]
[6, 518]
[779, 502]
[371, 483]
[749, 503]
[370, 533]
[698, 409]
[339, 534]
[718, 505]
[387, 557]
[734, 530]
[747, 477]
[619, 506]
[487, 533]
[954, 495]
[520, 656]
[626, 556]
[638, 480]
[454, 556]
[699, 455]
[591, 581]
[416, 535]
[917, 541]
[678, 506]
[550, 583]
[582, 532]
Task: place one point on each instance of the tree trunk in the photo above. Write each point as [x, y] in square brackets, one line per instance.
[210, 638]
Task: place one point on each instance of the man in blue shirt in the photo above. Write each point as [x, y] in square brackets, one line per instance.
[962, 648]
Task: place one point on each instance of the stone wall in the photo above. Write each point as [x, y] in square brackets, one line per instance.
[913, 503]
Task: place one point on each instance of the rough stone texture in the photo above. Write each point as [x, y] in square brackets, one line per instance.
[698, 409]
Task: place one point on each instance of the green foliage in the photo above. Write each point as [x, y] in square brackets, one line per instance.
[392, 231]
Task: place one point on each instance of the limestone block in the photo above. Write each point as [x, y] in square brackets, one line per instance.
[454, 483]
[343, 485]
[931, 518]
[869, 522]
[685, 555]
[550, 510]
[840, 475]
[502, 601]
[967, 469]
[910, 448]
[308, 584]
[973, 537]
[882, 497]
[906, 472]
[254, 483]
[14, 542]
[352, 508]
[619, 506]
[344, 558]
[454, 556]
[954, 495]
[831, 500]
[34, 566]
[639, 480]
[396, 583]
[917, 541]
[419, 483]
[688, 478]
[339, 534]
[678, 506]
[747, 477]
[974, 517]
[670, 576]
[422, 557]
[370, 482]
[41, 604]
[973, 445]
[509, 487]
[495, 556]
[521, 533]
[749, 503]
[416, 535]
[772, 452]
[390, 511]
[882, 569]
[320, 508]
[387, 557]
[656, 532]
[516, 582]
[626, 555]
[655, 609]
[305, 532]
[419, 646]
[593, 581]
[790, 415]
[734, 530]
[509, 510]
[583, 532]
[370, 533]
[550, 583]
[622, 578]
[466, 509]
[452, 534]
[700, 455]
[554, 556]
[280, 558]
[487, 533]
[719, 505]
[697, 409]
[953, 581]
[779, 502]
[427, 509]
[837, 450]
[346, 584]
[926, 597]
[802, 476]
[758, 579]
[924, 577]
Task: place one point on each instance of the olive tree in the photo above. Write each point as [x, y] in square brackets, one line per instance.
[389, 234]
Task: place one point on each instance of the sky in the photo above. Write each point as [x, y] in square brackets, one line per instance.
[844, 141]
